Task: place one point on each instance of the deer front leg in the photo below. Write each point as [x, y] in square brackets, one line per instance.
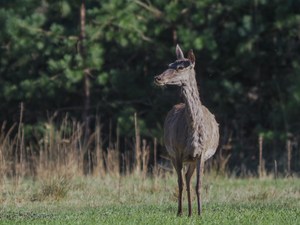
[200, 171]
[180, 189]
[188, 175]
[178, 168]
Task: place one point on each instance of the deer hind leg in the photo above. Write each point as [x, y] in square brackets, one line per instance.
[200, 171]
[178, 167]
[188, 175]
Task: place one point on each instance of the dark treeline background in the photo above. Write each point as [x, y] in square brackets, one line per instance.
[247, 65]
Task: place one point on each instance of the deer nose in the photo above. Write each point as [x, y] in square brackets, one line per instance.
[157, 78]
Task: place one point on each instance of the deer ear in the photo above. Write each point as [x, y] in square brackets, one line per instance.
[179, 52]
[191, 56]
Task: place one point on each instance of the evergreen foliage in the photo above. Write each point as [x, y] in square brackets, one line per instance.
[247, 64]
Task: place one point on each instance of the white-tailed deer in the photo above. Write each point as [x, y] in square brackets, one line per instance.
[191, 133]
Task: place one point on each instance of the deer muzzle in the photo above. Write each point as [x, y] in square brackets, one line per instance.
[165, 78]
[158, 80]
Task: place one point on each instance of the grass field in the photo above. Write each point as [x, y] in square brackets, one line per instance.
[132, 200]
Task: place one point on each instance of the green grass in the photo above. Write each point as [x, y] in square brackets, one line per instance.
[129, 200]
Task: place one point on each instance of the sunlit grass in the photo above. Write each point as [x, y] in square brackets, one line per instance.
[132, 200]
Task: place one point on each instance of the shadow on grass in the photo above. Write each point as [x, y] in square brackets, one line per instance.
[22, 215]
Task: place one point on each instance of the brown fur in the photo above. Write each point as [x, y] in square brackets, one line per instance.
[191, 132]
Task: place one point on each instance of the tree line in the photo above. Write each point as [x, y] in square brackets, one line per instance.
[55, 60]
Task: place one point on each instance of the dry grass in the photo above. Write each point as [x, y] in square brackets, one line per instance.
[61, 150]
[63, 175]
[60, 154]
[98, 192]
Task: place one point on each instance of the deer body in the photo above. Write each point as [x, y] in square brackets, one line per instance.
[191, 132]
[176, 127]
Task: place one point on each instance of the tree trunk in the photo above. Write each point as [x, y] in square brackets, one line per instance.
[87, 165]
[86, 80]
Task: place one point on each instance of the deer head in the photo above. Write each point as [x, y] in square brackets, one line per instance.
[178, 72]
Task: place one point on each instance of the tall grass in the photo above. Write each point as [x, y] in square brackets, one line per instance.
[62, 150]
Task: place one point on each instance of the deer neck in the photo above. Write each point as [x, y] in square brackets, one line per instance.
[193, 110]
[192, 101]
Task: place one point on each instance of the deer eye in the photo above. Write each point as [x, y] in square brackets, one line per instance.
[180, 67]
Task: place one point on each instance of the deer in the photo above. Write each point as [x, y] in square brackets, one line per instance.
[191, 132]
